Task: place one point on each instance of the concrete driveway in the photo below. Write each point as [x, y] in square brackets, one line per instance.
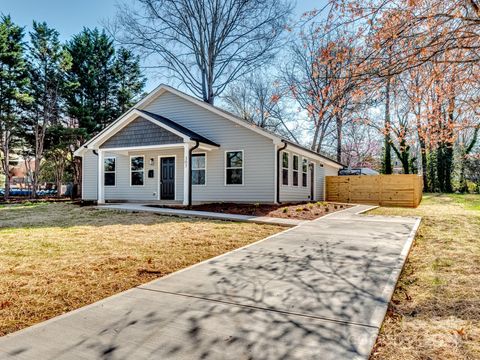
[316, 291]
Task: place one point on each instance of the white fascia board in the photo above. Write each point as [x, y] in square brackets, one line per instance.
[162, 88]
[299, 150]
[124, 121]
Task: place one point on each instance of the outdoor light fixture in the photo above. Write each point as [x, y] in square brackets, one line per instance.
[152, 161]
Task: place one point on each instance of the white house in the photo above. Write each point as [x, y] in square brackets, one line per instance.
[147, 154]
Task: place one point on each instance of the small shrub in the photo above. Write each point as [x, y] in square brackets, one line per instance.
[310, 205]
[299, 209]
[285, 210]
[327, 209]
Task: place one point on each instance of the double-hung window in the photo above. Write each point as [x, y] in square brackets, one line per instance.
[295, 170]
[285, 168]
[137, 170]
[199, 169]
[109, 171]
[234, 168]
[304, 172]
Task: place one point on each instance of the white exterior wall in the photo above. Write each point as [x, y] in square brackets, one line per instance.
[291, 193]
[259, 152]
[259, 162]
[122, 189]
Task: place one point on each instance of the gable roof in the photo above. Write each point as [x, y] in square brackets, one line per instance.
[228, 115]
[181, 129]
[162, 88]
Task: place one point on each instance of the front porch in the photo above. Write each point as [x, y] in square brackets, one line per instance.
[146, 157]
[158, 175]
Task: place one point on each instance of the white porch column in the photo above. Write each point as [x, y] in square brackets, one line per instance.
[100, 188]
[186, 172]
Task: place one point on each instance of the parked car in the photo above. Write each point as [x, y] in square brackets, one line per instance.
[357, 171]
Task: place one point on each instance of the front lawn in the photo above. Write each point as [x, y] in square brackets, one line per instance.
[57, 257]
[435, 311]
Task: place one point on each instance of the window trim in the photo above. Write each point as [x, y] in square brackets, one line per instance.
[205, 154]
[130, 170]
[305, 172]
[286, 168]
[295, 171]
[109, 172]
[225, 168]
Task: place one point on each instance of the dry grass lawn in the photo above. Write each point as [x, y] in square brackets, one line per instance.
[57, 257]
[435, 311]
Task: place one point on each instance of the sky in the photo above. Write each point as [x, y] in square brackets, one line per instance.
[69, 17]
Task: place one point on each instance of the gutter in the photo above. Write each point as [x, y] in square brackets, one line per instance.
[278, 169]
[190, 172]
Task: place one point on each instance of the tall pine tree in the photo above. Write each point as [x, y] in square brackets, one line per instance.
[92, 101]
[129, 79]
[13, 92]
[49, 63]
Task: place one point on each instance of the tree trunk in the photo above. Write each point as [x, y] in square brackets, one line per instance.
[77, 177]
[6, 170]
[387, 160]
[339, 138]
[423, 151]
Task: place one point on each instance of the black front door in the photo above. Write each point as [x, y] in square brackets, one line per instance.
[167, 178]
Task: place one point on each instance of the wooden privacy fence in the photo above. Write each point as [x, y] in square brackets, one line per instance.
[385, 190]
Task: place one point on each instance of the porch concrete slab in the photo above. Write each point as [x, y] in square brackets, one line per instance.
[202, 214]
[309, 292]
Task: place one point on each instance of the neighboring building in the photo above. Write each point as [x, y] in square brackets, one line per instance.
[146, 154]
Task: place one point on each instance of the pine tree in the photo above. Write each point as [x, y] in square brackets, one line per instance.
[13, 94]
[129, 79]
[48, 62]
[92, 100]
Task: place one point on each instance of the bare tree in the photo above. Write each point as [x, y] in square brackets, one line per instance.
[256, 99]
[206, 44]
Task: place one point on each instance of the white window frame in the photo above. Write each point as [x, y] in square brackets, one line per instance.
[285, 168]
[295, 171]
[243, 168]
[130, 168]
[305, 172]
[109, 172]
[204, 154]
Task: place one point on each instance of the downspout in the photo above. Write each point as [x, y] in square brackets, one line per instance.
[278, 169]
[197, 144]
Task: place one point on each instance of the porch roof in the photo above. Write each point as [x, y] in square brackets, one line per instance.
[181, 129]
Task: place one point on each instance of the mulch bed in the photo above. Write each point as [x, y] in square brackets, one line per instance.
[300, 211]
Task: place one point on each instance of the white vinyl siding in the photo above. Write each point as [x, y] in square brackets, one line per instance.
[258, 152]
[297, 193]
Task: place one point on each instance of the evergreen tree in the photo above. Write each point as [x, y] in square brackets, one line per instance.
[48, 62]
[129, 79]
[13, 94]
[92, 100]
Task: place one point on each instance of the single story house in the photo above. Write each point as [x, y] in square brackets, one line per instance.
[172, 147]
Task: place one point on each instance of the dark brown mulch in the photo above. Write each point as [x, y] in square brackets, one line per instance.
[300, 211]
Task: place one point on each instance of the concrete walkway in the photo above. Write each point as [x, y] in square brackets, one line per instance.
[202, 214]
[316, 291]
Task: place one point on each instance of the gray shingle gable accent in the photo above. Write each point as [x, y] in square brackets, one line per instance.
[141, 132]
